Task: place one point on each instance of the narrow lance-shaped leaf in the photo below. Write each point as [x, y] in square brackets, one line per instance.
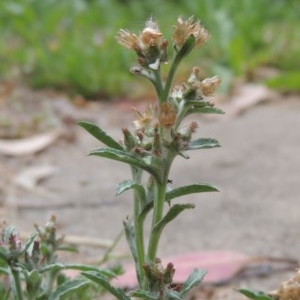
[67, 287]
[33, 281]
[178, 192]
[173, 212]
[123, 156]
[130, 237]
[102, 280]
[173, 295]
[203, 143]
[256, 295]
[100, 135]
[29, 241]
[190, 189]
[106, 272]
[4, 254]
[205, 110]
[140, 294]
[201, 106]
[59, 266]
[129, 184]
[194, 279]
[53, 267]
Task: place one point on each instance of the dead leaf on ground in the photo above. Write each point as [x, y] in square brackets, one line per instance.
[245, 97]
[31, 145]
[31, 176]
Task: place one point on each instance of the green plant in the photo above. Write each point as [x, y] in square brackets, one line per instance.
[151, 149]
[31, 270]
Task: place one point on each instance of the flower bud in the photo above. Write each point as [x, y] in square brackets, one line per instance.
[209, 85]
[184, 29]
[129, 139]
[167, 115]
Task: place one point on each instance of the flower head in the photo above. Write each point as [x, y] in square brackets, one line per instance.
[167, 115]
[208, 86]
[177, 92]
[143, 120]
[151, 36]
[199, 89]
[149, 44]
[127, 39]
[184, 29]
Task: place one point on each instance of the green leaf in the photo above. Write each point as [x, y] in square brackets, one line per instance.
[100, 135]
[102, 280]
[33, 282]
[190, 189]
[178, 192]
[203, 143]
[7, 233]
[79, 267]
[4, 271]
[144, 295]
[68, 287]
[53, 267]
[30, 241]
[172, 295]
[106, 272]
[183, 154]
[194, 279]
[4, 254]
[67, 248]
[173, 212]
[206, 110]
[129, 184]
[130, 237]
[123, 156]
[256, 295]
[202, 107]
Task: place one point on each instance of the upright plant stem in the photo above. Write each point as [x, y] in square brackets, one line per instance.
[139, 235]
[157, 82]
[18, 286]
[139, 229]
[170, 78]
[157, 216]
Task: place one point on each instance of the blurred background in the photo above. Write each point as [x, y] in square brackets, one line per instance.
[70, 46]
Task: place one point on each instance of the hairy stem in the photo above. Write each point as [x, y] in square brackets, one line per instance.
[170, 78]
[157, 216]
[17, 280]
[158, 84]
[139, 235]
[139, 229]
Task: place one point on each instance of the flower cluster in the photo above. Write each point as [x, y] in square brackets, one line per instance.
[152, 147]
[201, 88]
[174, 103]
[149, 45]
[185, 28]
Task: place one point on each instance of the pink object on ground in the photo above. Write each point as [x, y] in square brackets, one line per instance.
[220, 266]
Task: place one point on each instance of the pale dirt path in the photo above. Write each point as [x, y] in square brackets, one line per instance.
[257, 171]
